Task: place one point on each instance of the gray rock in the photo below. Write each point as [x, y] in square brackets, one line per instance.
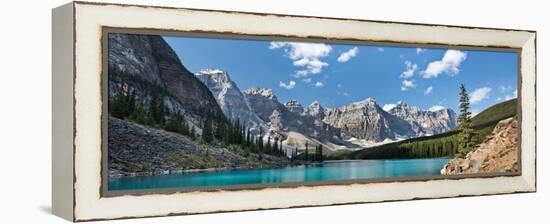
[424, 122]
[366, 120]
[138, 150]
[230, 98]
[144, 64]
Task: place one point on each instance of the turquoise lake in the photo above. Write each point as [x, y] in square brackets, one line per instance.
[326, 171]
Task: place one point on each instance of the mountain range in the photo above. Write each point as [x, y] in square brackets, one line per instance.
[147, 67]
[356, 125]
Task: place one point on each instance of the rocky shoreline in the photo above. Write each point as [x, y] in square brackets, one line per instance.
[121, 174]
[138, 150]
[498, 153]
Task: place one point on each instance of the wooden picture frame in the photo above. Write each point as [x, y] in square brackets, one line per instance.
[79, 110]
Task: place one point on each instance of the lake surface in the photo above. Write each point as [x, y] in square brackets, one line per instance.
[326, 171]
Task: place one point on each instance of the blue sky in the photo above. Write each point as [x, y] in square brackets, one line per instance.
[339, 74]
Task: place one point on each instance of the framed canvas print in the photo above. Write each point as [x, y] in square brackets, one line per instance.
[165, 111]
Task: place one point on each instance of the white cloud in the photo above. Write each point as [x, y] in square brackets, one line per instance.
[449, 64]
[407, 84]
[420, 50]
[428, 90]
[380, 49]
[409, 71]
[388, 107]
[504, 88]
[339, 85]
[319, 84]
[290, 85]
[512, 96]
[306, 55]
[344, 57]
[343, 93]
[479, 95]
[436, 108]
[307, 80]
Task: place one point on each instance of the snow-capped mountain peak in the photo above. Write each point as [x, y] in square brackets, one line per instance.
[265, 92]
[230, 98]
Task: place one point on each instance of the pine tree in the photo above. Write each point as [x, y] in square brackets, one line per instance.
[138, 115]
[320, 153]
[118, 106]
[193, 133]
[276, 146]
[207, 135]
[183, 128]
[281, 148]
[131, 103]
[467, 133]
[306, 153]
[260, 141]
[268, 145]
[248, 137]
[220, 126]
[314, 156]
[156, 110]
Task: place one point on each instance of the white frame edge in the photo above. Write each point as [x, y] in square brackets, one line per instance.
[89, 20]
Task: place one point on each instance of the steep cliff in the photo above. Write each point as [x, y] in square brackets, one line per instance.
[146, 66]
[289, 117]
[230, 98]
[424, 122]
[366, 120]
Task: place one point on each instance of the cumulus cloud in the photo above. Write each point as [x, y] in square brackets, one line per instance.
[339, 85]
[420, 50]
[289, 85]
[319, 84]
[449, 64]
[407, 84]
[388, 107]
[409, 71]
[428, 90]
[304, 55]
[307, 80]
[344, 57]
[436, 108]
[479, 95]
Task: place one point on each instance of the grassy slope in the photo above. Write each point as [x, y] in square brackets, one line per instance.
[483, 122]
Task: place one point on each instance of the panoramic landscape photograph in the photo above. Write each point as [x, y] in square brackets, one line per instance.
[214, 112]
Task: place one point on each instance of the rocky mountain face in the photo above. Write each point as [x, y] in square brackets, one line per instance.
[230, 98]
[425, 123]
[294, 106]
[147, 66]
[366, 120]
[288, 117]
[497, 153]
[315, 110]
